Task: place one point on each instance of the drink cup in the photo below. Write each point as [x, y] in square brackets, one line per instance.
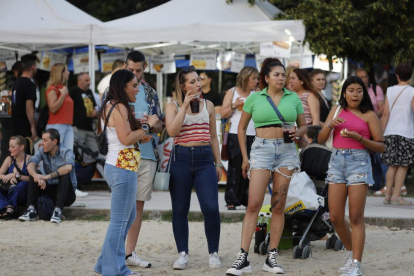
[287, 126]
[194, 105]
[140, 114]
[240, 107]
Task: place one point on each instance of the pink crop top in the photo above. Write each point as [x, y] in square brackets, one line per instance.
[352, 123]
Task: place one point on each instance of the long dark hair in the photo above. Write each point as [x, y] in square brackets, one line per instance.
[117, 93]
[365, 104]
[180, 80]
[267, 66]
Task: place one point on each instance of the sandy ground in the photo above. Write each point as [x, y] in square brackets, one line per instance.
[71, 248]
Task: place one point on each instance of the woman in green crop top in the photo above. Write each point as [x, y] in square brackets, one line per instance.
[270, 156]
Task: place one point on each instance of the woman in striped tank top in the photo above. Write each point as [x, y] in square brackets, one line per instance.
[195, 162]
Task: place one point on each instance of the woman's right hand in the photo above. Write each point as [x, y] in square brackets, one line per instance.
[245, 168]
[152, 120]
[238, 102]
[336, 122]
[188, 98]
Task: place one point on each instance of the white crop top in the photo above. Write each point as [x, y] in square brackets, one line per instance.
[235, 118]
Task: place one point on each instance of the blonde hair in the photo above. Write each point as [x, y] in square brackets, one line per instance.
[56, 74]
[180, 80]
[244, 75]
[20, 140]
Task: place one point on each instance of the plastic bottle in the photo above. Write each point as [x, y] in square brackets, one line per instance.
[260, 234]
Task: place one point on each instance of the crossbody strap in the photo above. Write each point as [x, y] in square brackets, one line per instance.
[109, 114]
[396, 99]
[275, 109]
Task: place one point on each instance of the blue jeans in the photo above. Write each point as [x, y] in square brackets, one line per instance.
[123, 184]
[377, 171]
[194, 167]
[66, 134]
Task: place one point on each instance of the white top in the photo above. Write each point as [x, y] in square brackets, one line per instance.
[401, 121]
[235, 118]
[104, 83]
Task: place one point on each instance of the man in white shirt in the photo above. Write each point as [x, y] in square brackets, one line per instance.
[104, 83]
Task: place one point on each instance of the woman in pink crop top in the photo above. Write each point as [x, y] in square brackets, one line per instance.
[195, 163]
[350, 171]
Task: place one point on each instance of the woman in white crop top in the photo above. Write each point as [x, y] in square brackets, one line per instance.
[195, 162]
[237, 188]
[398, 125]
[123, 133]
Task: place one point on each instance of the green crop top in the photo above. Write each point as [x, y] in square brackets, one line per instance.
[263, 113]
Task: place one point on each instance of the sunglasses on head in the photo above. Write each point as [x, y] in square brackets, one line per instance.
[190, 68]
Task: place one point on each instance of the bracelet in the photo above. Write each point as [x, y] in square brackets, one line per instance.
[361, 138]
[219, 165]
[329, 125]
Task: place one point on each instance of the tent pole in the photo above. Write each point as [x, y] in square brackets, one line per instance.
[220, 80]
[91, 66]
[345, 68]
[159, 89]
[301, 55]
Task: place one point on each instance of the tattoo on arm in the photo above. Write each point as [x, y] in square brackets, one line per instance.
[278, 196]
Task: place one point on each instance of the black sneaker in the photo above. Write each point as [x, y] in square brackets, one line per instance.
[271, 264]
[241, 265]
[29, 215]
[56, 217]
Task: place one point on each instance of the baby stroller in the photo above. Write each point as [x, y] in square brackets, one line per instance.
[309, 225]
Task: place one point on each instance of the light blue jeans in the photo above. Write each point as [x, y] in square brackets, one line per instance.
[66, 134]
[123, 184]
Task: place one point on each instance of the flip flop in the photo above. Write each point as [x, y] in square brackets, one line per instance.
[231, 207]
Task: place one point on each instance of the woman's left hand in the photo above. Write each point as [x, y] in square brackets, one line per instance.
[351, 134]
[219, 173]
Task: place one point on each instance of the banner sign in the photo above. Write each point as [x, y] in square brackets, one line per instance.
[81, 62]
[322, 62]
[230, 61]
[50, 58]
[7, 60]
[107, 59]
[204, 59]
[279, 49]
[164, 64]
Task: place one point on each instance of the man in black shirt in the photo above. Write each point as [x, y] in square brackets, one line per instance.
[84, 107]
[24, 98]
[208, 93]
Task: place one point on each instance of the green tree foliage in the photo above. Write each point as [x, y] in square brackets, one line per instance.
[370, 31]
[106, 10]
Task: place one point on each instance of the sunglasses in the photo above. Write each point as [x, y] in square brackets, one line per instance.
[188, 69]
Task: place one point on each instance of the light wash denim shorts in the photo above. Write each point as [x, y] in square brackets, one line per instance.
[272, 154]
[350, 166]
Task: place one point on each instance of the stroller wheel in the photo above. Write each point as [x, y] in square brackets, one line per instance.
[339, 245]
[262, 248]
[297, 252]
[328, 243]
[306, 252]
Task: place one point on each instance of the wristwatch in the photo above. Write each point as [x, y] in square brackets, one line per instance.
[146, 128]
[17, 176]
[219, 165]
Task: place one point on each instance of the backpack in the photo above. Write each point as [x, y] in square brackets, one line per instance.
[45, 207]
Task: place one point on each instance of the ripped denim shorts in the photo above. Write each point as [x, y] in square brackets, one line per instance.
[350, 166]
[272, 154]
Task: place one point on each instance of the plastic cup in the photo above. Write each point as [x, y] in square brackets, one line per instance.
[287, 126]
[194, 105]
[140, 114]
[240, 107]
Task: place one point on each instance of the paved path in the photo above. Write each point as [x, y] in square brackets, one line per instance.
[375, 211]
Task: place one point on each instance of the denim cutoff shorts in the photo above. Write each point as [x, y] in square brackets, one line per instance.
[350, 166]
[272, 154]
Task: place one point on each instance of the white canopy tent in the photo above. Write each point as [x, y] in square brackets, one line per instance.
[41, 25]
[179, 26]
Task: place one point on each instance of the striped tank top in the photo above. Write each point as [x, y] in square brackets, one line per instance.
[196, 128]
[304, 100]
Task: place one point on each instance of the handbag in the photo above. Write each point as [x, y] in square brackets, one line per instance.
[162, 179]
[225, 128]
[302, 142]
[101, 139]
[329, 142]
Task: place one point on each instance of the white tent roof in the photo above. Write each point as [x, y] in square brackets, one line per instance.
[44, 22]
[199, 20]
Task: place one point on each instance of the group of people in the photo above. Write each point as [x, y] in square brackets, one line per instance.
[258, 153]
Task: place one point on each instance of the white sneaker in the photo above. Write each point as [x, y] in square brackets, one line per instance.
[181, 262]
[79, 193]
[214, 261]
[349, 257]
[355, 269]
[134, 260]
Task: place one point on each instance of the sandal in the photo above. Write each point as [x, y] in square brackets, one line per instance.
[387, 200]
[400, 201]
[10, 215]
[231, 207]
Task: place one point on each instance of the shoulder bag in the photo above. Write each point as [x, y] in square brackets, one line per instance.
[302, 141]
[162, 179]
[225, 128]
[101, 138]
[329, 142]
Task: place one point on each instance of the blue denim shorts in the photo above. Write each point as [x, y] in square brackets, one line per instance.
[272, 154]
[350, 166]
